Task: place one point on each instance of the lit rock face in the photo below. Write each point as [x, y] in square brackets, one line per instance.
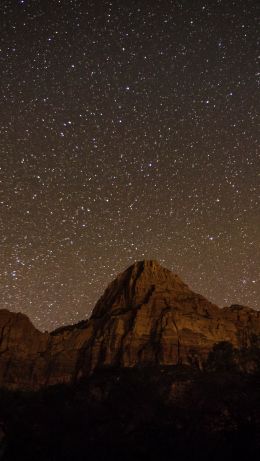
[147, 316]
[30, 359]
[22, 348]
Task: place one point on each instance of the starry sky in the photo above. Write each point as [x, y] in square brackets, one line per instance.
[128, 130]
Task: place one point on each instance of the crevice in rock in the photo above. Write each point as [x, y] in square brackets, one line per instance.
[129, 294]
[179, 361]
[2, 334]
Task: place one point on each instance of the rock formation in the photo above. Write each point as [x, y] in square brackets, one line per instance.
[147, 316]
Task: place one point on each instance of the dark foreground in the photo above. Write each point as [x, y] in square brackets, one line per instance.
[170, 413]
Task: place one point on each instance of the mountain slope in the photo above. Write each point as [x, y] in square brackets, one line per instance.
[149, 316]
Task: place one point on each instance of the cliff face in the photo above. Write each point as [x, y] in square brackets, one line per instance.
[147, 316]
[22, 348]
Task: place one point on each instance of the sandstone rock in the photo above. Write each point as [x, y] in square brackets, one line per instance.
[22, 348]
[147, 316]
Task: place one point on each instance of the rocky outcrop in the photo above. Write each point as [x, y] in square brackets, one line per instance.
[147, 316]
[22, 348]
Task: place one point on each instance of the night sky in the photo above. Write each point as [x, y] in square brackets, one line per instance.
[128, 130]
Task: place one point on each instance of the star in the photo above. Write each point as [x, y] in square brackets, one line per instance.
[127, 133]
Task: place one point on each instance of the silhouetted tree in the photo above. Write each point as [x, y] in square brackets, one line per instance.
[221, 357]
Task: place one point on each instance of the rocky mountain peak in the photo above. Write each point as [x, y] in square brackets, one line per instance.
[147, 316]
[136, 286]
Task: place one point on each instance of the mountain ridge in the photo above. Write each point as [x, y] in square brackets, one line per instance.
[147, 316]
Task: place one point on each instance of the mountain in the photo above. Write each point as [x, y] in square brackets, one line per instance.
[146, 317]
[157, 372]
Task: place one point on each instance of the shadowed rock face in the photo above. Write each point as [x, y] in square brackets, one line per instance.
[147, 316]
